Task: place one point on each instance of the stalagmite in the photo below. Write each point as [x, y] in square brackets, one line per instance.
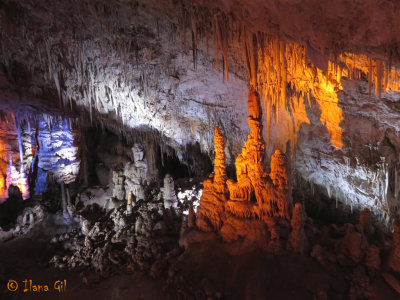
[191, 222]
[68, 196]
[64, 200]
[271, 199]
[70, 207]
[168, 192]
[250, 169]
[353, 247]
[210, 213]
[373, 259]
[151, 157]
[219, 161]
[366, 222]
[136, 173]
[297, 238]
[119, 189]
[21, 154]
[129, 204]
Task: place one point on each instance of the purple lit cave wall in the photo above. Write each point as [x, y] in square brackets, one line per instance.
[36, 148]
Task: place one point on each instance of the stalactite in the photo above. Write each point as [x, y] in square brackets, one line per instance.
[369, 77]
[379, 70]
[194, 50]
[283, 74]
[21, 154]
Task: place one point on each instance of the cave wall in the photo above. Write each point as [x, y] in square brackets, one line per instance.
[364, 172]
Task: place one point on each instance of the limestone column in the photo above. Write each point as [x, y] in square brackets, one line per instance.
[219, 161]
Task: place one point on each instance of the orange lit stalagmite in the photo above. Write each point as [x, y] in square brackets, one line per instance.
[211, 212]
[250, 169]
[256, 194]
[219, 161]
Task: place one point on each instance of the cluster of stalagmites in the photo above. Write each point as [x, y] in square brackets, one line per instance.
[129, 183]
[131, 180]
[136, 229]
[118, 241]
[256, 194]
[258, 207]
[361, 248]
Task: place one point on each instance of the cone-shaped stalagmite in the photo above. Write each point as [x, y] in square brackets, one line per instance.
[280, 201]
[211, 212]
[219, 161]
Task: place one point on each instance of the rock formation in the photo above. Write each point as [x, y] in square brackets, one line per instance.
[130, 203]
[255, 194]
[366, 222]
[211, 212]
[57, 152]
[271, 196]
[135, 173]
[119, 187]
[191, 221]
[352, 249]
[219, 160]
[373, 259]
[297, 238]
[29, 217]
[168, 193]
[151, 157]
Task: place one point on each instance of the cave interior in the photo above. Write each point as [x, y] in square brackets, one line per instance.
[227, 149]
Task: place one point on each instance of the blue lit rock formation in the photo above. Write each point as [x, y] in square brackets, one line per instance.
[56, 152]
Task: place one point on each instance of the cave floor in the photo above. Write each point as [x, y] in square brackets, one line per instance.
[242, 272]
[27, 258]
[210, 268]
